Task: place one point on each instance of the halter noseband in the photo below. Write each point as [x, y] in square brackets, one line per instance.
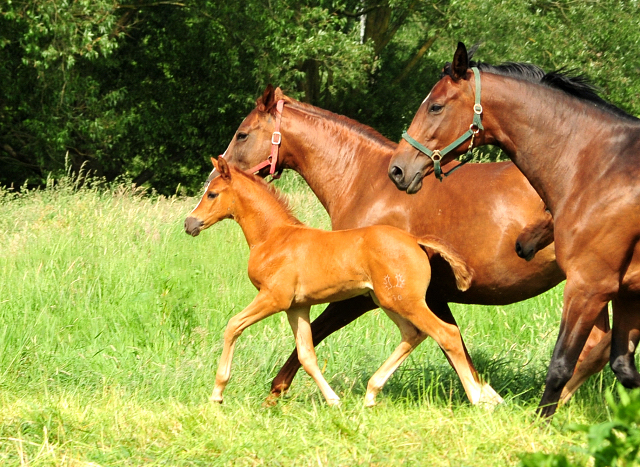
[276, 139]
[437, 155]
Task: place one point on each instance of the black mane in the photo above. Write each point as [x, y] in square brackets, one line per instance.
[569, 81]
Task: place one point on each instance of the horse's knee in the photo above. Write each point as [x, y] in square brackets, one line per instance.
[559, 374]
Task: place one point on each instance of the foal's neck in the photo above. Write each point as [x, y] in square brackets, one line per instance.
[336, 156]
[259, 212]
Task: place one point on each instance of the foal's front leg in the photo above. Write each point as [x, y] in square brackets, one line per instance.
[301, 327]
[411, 338]
[262, 306]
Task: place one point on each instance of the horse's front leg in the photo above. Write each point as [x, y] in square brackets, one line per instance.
[335, 316]
[594, 356]
[301, 327]
[262, 306]
[624, 342]
[582, 306]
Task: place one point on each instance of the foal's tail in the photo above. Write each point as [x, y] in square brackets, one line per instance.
[461, 271]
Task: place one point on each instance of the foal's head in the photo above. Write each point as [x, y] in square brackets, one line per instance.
[217, 202]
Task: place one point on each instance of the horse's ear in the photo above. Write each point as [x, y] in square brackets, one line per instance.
[267, 100]
[223, 169]
[278, 94]
[460, 63]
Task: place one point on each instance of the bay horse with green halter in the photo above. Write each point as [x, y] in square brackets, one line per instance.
[582, 156]
[294, 267]
[345, 164]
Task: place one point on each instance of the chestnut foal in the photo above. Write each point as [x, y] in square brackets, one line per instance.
[294, 266]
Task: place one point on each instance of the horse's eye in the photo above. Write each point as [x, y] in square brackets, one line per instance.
[435, 108]
[242, 136]
[212, 195]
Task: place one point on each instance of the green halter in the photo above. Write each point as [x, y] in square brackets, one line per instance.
[437, 155]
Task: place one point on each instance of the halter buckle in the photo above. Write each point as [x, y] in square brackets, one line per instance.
[477, 109]
[436, 156]
[276, 138]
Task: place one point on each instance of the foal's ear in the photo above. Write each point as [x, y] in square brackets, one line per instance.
[460, 63]
[223, 169]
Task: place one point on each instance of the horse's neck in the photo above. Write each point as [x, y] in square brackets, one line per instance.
[259, 214]
[544, 138]
[337, 161]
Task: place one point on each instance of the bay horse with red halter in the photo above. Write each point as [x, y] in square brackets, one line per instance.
[294, 267]
[582, 156]
[345, 164]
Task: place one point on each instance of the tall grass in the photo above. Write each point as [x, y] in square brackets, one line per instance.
[111, 322]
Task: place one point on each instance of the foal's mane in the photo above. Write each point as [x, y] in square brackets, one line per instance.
[353, 125]
[569, 81]
[271, 191]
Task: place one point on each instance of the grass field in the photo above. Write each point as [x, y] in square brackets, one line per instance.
[111, 322]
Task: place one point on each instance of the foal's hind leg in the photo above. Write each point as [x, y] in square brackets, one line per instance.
[299, 321]
[411, 338]
[442, 311]
[262, 306]
[448, 337]
[626, 334]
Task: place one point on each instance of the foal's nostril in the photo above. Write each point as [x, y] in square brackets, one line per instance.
[395, 173]
[192, 226]
[519, 251]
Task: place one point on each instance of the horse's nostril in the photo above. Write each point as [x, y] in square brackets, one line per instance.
[396, 173]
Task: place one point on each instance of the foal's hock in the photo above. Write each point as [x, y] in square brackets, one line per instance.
[294, 267]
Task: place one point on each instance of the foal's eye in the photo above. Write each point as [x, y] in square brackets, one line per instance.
[435, 108]
[242, 136]
[212, 195]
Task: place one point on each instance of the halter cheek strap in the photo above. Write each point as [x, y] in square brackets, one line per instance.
[437, 155]
[276, 140]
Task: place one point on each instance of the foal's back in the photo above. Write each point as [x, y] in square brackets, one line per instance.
[317, 266]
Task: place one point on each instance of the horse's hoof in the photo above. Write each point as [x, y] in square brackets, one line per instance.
[217, 399]
[333, 402]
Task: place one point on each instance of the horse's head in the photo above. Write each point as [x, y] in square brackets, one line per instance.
[252, 142]
[217, 202]
[444, 115]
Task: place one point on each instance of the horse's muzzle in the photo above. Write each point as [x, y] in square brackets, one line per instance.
[192, 226]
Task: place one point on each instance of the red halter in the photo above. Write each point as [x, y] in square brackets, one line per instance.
[276, 139]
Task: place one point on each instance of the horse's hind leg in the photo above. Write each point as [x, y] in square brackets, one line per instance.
[335, 316]
[594, 356]
[624, 341]
[411, 338]
[262, 306]
[301, 327]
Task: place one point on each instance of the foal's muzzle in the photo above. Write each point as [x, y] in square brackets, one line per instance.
[192, 226]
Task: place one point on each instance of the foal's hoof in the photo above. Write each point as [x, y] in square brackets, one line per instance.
[489, 398]
[333, 402]
[217, 399]
[271, 400]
